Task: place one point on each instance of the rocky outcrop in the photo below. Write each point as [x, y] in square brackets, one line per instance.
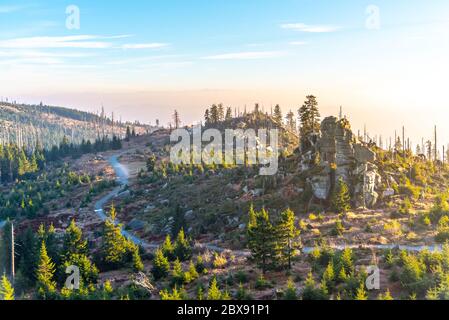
[340, 155]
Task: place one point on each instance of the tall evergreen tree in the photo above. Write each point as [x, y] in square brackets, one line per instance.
[115, 246]
[277, 115]
[207, 117]
[46, 286]
[309, 116]
[262, 240]
[214, 114]
[176, 119]
[291, 122]
[341, 199]
[221, 112]
[75, 252]
[228, 114]
[161, 266]
[182, 247]
[287, 235]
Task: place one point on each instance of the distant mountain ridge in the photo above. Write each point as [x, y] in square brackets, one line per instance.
[27, 125]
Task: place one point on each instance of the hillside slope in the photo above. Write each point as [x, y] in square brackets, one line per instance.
[27, 124]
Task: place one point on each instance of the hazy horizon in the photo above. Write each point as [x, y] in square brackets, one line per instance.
[383, 62]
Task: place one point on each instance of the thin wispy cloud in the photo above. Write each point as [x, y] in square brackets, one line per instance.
[10, 8]
[80, 41]
[302, 27]
[250, 55]
[42, 54]
[297, 43]
[32, 61]
[155, 45]
[139, 60]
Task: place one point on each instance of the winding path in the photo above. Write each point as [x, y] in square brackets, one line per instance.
[122, 178]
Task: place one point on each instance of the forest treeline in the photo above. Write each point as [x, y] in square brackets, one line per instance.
[19, 162]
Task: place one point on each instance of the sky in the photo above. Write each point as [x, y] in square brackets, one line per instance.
[385, 62]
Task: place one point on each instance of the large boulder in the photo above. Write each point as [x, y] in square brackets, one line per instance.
[363, 154]
[368, 182]
[337, 149]
[321, 186]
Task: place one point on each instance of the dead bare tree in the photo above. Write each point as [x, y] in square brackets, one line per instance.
[142, 280]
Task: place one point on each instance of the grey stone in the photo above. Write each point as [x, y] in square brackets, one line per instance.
[364, 154]
[136, 224]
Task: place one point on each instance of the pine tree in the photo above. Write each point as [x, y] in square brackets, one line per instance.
[161, 266]
[287, 235]
[361, 292]
[75, 252]
[177, 273]
[137, 263]
[277, 115]
[309, 116]
[290, 292]
[151, 163]
[347, 261]
[387, 296]
[228, 115]
[73, 242]
[46, 286]
[341, 199]
[329, 273]
[214, 114]
[221, 113]
[182, 248]
[262, 241]
[6, 289]
[176, 119]
[207, 117]
[168, 248]
[291, 122]
[115, 246]
[128, 134]
[214, 292]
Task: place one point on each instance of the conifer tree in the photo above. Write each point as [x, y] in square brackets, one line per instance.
[151, 163]
[115, 246]
[341, 199]
[262, 241]
[6, 289]
[177, 273]
[176, 119]
[73, 242]
[290, 292]
[137, 263]
[45, 271]
[207, 117]
[161, 266]
[168, 248]
[75, 252]
[182, 247]
[214, 114]
[287, 236]
[214, 292]
[291, 122]
[309, 116]
[221, 113]
[277, 115]
[361, 292]
[228, 115]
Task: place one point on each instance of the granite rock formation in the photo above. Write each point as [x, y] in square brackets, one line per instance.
[335, 153]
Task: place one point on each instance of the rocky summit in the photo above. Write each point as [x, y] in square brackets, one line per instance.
[334, 153]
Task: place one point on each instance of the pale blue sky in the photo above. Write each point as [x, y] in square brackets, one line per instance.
[144, 58]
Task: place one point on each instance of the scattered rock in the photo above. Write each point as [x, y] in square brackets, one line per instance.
[136, 224]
